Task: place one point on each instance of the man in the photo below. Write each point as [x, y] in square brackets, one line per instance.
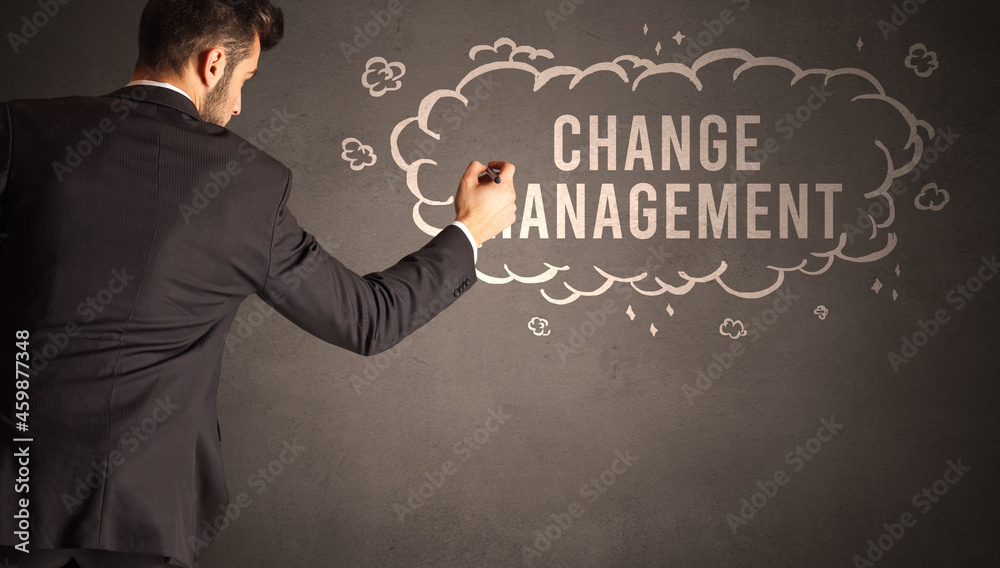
[118, 287]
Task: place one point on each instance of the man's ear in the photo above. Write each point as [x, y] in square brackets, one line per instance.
[211, 65]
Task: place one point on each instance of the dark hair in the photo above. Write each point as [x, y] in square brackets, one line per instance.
[173, 31]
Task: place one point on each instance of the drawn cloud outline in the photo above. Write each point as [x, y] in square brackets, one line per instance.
[731, 324]
[914, 61]
[918, 201]
[543, 323]
[650, 69]
[389, 75]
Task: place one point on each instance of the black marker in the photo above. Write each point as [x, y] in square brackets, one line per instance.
[495, 175]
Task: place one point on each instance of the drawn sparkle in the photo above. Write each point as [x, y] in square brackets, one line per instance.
[631, 314]
[679, 37]
[894, 295]
[658, 47]
[877, 285]
[860, 44]
[645, 29]
[652, 329]
[670, 309]
[897, 270]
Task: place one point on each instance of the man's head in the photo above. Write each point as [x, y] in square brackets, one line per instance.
[208, 48]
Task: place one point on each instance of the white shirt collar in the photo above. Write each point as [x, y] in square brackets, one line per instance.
[159, 84]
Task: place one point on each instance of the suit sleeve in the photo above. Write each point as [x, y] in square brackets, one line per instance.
[472, 241]
[364, 314]
[6, 142]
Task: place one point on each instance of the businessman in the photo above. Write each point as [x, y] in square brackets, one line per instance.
[134, 224]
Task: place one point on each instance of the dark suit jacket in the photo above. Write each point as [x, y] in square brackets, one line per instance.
[134, 230]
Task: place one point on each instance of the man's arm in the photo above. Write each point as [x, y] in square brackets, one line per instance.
[371, 313]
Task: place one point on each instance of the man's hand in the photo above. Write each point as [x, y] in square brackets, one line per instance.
[486, 207]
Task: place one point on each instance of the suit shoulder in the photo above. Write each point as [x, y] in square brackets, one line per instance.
[261, 157]
[258, 160]
[268, 177]
[63, 117]
[44, 104]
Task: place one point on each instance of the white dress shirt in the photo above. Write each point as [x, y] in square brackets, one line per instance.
[159, 84]
[459, 224]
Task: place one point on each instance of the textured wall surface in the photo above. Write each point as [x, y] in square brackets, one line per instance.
[861, 434]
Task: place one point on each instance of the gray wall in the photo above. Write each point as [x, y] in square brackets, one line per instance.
[597, 384]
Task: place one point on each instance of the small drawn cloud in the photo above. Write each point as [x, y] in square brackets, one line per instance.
[922, 62]
[537, 326]
[380, 76]
[931, 198]
[822, 312]
[902, 151]
[732, 328]
[359, 155]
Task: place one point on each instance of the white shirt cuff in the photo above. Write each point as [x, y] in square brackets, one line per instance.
[468, 233]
